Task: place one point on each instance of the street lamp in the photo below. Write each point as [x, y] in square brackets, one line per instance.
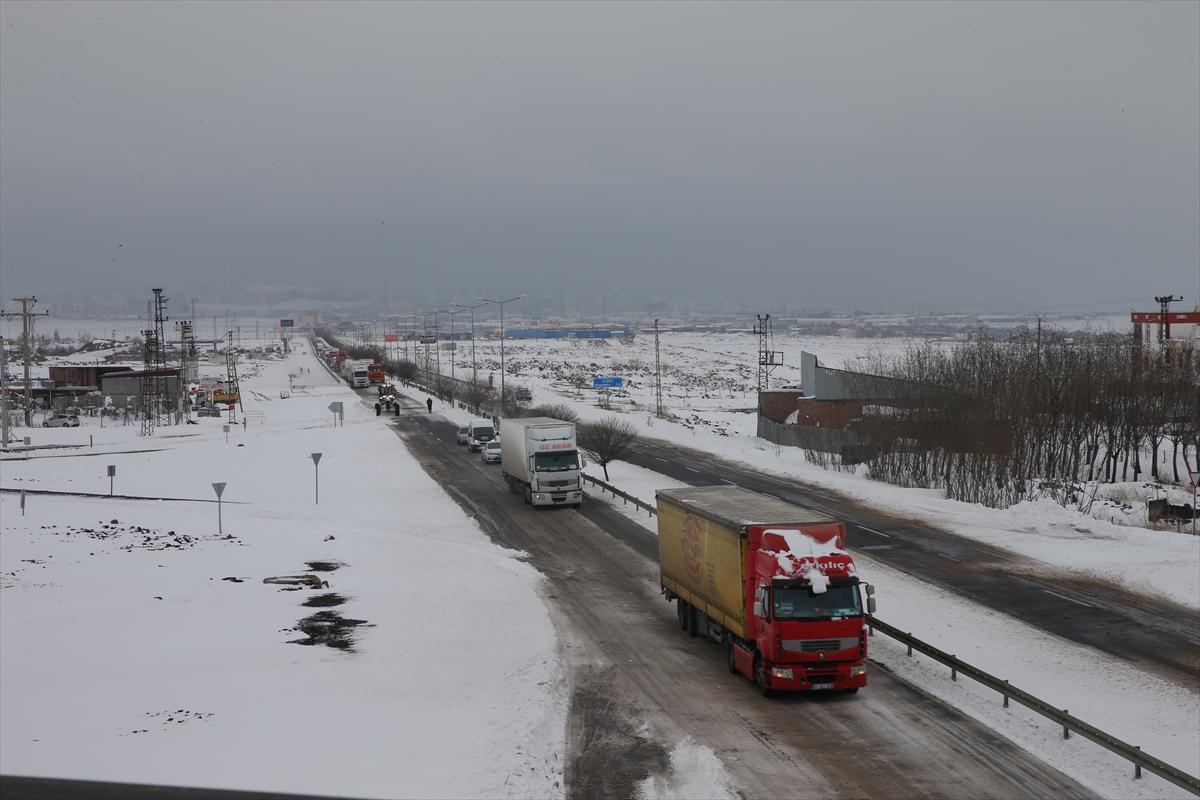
[501, 304]
[474, 373]
[453, 343]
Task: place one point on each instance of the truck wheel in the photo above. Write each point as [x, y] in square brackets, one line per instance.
[693, 628]
[730, 660]
[528, 494]
[683, 613]
[759, 676]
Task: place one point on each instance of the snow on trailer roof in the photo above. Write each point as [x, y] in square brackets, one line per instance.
[740, 508]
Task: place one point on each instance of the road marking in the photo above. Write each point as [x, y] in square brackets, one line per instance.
[731, 483]
[773, 497]
[663, 460]
[692, 470]
[876, 547]
[1071, 599]
[877, 533]
[952, 558]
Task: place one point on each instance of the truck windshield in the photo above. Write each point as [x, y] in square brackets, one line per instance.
[840, 601]
[555, 462]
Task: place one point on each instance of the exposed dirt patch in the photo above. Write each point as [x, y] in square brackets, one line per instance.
[612, 756]
[325, 566]
[331, 629]
[324, 600]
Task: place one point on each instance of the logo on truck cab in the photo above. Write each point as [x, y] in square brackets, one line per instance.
[691, 549]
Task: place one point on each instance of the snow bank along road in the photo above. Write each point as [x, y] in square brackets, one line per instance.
[639, 684]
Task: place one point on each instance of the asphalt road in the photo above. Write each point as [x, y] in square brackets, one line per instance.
[1156, 635]
[640, 684]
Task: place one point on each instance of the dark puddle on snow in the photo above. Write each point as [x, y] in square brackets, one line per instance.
[324, 600]
[325, 566]
[331, 629]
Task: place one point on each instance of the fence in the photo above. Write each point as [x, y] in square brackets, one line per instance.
[1069, 723]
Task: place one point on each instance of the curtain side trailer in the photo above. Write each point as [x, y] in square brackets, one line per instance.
[772, 582]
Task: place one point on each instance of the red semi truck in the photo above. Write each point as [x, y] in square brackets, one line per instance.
[769, 580]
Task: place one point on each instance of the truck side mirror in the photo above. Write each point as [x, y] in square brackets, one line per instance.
[870, 589]
[758, 608]
[870, 605]
[582, 463]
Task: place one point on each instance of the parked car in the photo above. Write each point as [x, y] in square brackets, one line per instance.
[62, 421]
[491, 451]
[461, 436]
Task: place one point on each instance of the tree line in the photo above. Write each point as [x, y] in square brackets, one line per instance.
[993, 421]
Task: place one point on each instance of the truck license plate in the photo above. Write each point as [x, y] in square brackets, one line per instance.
[822, 685]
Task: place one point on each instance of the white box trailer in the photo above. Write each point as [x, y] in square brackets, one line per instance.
[539, 458]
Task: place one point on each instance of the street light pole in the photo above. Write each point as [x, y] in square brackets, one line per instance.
[501, 304]
[474, 371]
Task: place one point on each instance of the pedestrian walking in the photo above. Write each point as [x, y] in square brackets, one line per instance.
[429, 404]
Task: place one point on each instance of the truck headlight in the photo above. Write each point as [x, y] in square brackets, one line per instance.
[857, 671]
[782, 673]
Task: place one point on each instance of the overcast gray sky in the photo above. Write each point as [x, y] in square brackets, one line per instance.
[968, 154]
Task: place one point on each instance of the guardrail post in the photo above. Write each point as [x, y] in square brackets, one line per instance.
[1066, 730]
[910, 648]
[953, 671]
[1137, 765]
[1006, 699]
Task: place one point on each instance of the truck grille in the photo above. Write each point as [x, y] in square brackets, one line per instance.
[818, 645]
[557, 483]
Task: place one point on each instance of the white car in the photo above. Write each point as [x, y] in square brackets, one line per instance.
[491, 451]
[462, 435]
[62, 421]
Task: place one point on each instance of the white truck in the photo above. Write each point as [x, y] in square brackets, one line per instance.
[356, 373]
[539, 458]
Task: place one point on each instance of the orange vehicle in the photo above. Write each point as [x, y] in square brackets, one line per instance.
[375, 373]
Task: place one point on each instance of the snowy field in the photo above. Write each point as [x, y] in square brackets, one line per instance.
[114, 662]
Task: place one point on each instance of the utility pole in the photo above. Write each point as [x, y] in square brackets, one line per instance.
[768, 359]
[4, 390]
[27, 317]
[657, 375]
[1164, 324]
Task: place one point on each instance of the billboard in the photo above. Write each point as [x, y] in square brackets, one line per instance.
[287, 323]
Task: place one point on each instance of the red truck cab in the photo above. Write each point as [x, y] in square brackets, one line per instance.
[804, 611]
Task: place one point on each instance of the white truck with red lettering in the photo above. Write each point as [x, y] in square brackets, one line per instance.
[539, 458]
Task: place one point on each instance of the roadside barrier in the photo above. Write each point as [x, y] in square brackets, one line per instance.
[1069, 723]
[615, 492]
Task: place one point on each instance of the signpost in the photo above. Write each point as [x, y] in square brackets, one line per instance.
[287, 323]
[336, 408]
[226, 429]
[607, 384]
[428, 340]
[316, 457]
[1195, 476]
[219, 488]
[112, 471]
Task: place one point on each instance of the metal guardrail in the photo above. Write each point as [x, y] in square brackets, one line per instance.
[615, 492]
[1068, 722]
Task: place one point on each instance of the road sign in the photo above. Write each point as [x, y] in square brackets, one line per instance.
[428, 340]
[336, 406]
[1195, 478]
[607, 383]
[219, 488]
[287, 323]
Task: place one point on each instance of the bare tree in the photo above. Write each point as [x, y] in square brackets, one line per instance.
[607, 440]
[554, 411]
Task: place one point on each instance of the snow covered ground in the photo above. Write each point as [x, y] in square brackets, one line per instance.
[110, 655]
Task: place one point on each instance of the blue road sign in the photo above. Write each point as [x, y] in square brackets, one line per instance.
[607, 383]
